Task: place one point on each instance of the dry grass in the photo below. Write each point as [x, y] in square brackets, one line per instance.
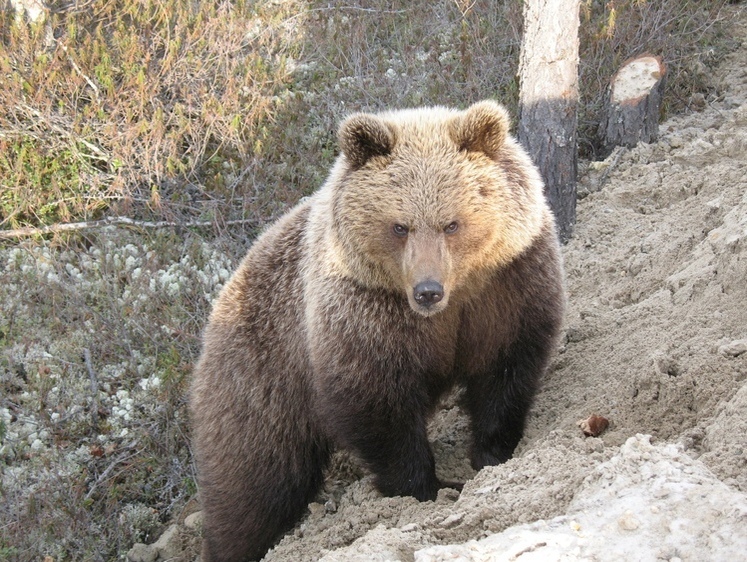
[204, 111]
[133, 103]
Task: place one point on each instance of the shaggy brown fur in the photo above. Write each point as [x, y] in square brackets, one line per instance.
[428, 259]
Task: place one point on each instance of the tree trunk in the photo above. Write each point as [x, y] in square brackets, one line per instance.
[633, 103]
[548, 99]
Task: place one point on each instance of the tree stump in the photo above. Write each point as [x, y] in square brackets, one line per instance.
[633, 103]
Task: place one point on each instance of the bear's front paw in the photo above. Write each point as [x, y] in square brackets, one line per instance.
[498, 455]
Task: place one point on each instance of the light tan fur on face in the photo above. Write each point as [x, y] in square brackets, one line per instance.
[424, 169]
[426, 257]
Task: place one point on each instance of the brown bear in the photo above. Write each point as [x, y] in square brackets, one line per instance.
[428, 259]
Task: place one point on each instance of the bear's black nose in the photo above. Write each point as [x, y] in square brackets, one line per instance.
[428, 293]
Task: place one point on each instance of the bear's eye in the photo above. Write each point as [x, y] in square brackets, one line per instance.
[451, 228]
[400, 230]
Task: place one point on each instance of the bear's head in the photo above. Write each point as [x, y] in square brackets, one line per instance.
[429, 202]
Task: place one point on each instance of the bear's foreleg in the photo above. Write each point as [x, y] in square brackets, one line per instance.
[389, 434]
[402, 462]
[498, 400]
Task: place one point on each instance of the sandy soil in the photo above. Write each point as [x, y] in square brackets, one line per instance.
[655, 340]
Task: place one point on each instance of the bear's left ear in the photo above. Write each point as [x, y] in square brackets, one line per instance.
[483, 127]
[363, 136]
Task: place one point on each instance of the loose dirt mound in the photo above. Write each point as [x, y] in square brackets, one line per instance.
[656, 341]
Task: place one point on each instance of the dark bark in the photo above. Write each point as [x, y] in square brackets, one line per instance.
[548, 101]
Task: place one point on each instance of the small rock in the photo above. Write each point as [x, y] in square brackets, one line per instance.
[594, 425]
[664, 146]
[628, 522]
[142, 553]
[194, 520]
[316, 509]
[330, 506]
[676, 141]
[697, 101]
[168, 544]
[452, 520]
[486, 490]
[733, 349]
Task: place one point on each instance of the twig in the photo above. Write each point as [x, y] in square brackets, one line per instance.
[358, 9]
[94, 388]
[101, 153]
[120, 459]
[613, 159]
[79, 71]
[339, 9]
[110, 221]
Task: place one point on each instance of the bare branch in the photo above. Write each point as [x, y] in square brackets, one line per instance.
[110, 221]
[81, 73]
[124, 457]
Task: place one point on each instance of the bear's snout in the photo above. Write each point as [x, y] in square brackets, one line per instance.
[428, 293]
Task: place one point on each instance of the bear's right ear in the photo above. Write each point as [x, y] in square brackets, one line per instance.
[363, 136]
[483, 127]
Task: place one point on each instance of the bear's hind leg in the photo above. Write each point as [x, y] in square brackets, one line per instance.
[246, 510]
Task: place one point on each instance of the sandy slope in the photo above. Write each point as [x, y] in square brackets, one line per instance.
[656, 340]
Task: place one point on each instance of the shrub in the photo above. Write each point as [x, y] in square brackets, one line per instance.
[128, 104]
